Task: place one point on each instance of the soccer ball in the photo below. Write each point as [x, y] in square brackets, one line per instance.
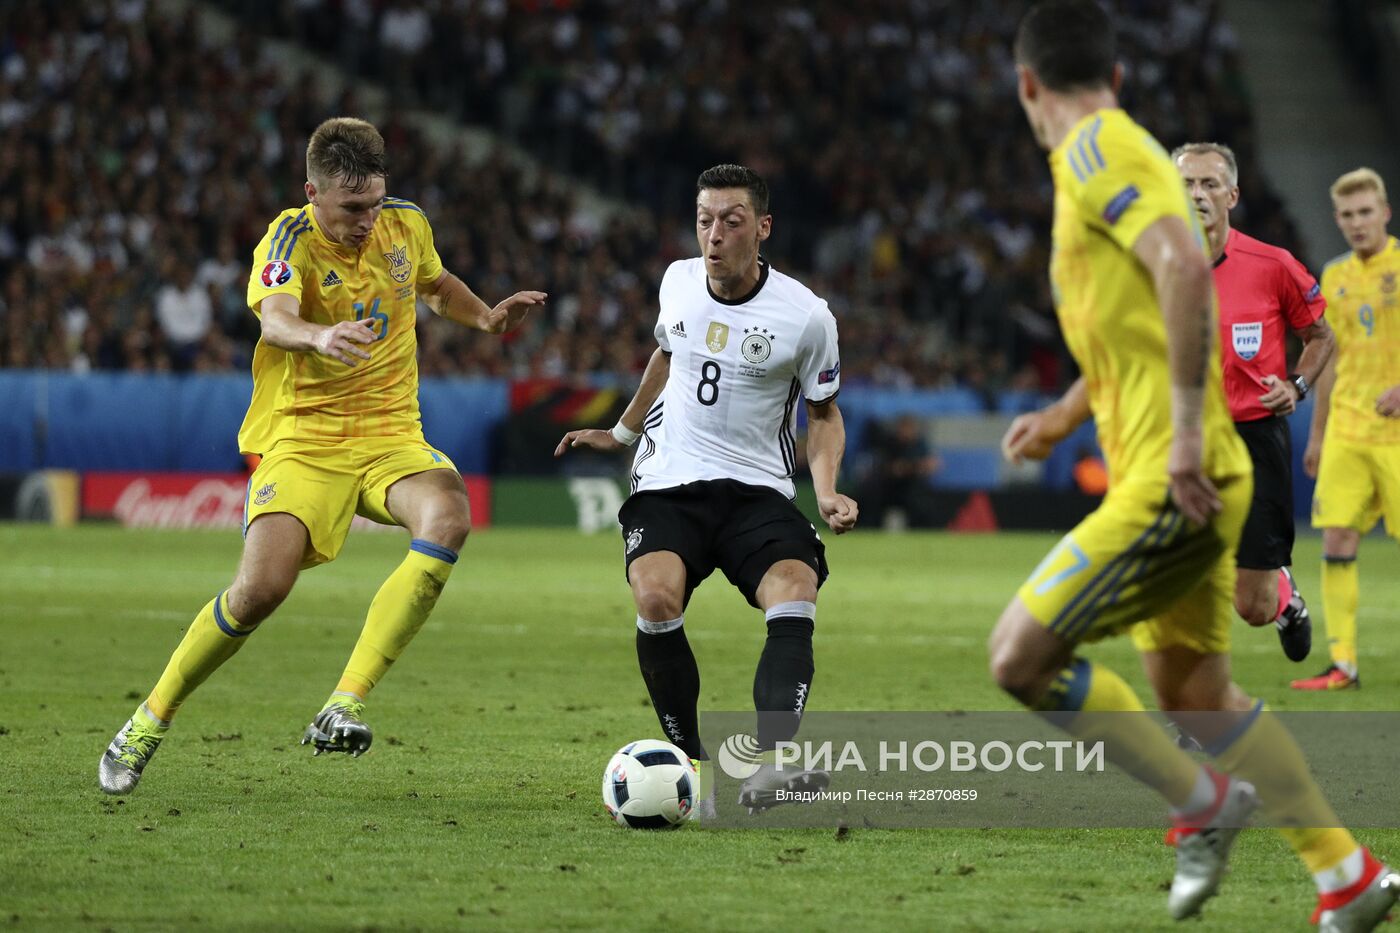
[650, 785]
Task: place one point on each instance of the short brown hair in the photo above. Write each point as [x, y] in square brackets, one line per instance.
[345, 148]
[1232, 167]
[1361, 179]
[736, 176]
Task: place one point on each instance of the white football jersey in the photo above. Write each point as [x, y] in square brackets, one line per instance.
[729, 407]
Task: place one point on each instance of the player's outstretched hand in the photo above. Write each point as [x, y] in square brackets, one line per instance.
[508, 315]
[589, 437]
[840, 512]
[1388, 405]
[1281, 396]
[1192, 491]
[1028, 437]
[340, 341]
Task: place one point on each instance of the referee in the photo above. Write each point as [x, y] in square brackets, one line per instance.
[1263, 294]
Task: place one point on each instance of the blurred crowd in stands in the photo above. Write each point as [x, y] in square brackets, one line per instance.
[141, 160]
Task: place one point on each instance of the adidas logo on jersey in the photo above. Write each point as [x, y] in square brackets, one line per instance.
[330, 279]
[678, 329]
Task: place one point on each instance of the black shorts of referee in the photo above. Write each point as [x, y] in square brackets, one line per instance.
[1267, 541]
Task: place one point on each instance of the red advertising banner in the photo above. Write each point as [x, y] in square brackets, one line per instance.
[205, 500]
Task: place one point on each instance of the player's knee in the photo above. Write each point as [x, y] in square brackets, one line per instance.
[453, 529]
[794, 589]
[788, 581]
[1340, 543]
[253, 600]
[1015, 667]
[1015, 677]
[447, 523]
[657, 603]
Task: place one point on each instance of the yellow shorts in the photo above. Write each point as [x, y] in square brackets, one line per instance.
[326, 485]
[1356, 484]
[1136, 559]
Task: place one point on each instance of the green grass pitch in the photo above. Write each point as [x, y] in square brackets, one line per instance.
[478, 807]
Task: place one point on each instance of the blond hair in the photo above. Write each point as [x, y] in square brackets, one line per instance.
[1361, 179]
[1232, 167]
[345, 148]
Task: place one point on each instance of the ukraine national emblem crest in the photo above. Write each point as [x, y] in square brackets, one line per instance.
[264, 495]
[399, 266]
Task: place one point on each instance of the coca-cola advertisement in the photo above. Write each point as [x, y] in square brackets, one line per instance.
[204, 500]
[166, 500]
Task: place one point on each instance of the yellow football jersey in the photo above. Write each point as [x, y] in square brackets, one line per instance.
[1363, 306]
[1112, 182]
[308, 396]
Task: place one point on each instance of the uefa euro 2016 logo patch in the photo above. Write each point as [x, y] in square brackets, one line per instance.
[264, 495]
[276, 273]
[399, 266]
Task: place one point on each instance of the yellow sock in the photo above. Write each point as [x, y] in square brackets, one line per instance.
[1340, 593]
[212, 638]
[1132, 741]
[399, 610]
[1262, 751]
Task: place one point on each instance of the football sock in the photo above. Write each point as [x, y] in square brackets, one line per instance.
[1202, 797]
[1340, 593]
[1285, 594]
[1342, 875]
[345, 698]
[397, 613]
[1260, 750]
[212, 638]
[784, 675]
[145, 714]
[1132, 740]
[673, 681]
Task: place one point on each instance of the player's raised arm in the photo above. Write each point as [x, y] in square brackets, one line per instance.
[629, 426]
[1034, 435]
[826, 443]
[284, 327]
[1181, 279]
[450, 297]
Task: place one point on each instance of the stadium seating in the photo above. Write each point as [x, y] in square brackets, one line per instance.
[917, 216]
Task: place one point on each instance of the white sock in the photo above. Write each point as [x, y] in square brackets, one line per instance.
[1342, 875]
[659, 628]
[152, 718]
[1202, 795]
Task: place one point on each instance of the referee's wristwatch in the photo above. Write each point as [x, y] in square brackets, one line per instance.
[1301, 384]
